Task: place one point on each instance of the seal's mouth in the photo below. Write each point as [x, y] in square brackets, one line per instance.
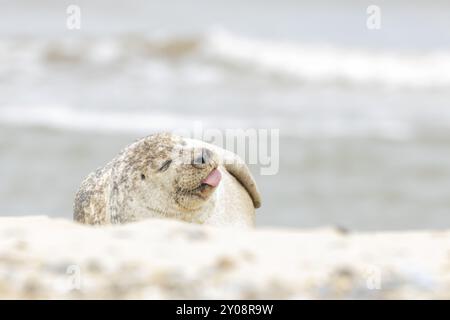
[208, 184]
[193, 199]
[213, 178]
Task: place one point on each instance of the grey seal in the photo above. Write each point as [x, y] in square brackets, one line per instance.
[168, 176]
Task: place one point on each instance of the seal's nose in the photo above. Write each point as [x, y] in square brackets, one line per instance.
[202, 157]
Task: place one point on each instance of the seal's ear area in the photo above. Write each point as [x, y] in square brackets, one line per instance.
[237, 168]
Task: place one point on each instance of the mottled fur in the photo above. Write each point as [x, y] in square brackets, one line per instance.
[139, 184]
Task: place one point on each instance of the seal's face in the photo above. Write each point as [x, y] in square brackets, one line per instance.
[180, 177]
[193, 176]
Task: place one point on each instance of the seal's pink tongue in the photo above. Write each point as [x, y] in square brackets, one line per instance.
[213, 179]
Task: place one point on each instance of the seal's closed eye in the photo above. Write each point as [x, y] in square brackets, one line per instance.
[165, 166]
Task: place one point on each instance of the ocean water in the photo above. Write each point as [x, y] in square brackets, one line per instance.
[364, 115]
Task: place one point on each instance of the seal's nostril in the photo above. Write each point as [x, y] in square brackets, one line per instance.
[206, 156]
[203, 158]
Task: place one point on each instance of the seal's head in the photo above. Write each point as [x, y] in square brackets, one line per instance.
[163, 175]
[172, 175]
[189, 174]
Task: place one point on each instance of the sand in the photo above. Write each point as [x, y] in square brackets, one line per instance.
[161, 259]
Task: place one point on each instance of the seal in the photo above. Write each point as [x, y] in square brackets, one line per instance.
[168, 176]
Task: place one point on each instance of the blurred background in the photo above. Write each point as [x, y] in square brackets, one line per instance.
[364, 115]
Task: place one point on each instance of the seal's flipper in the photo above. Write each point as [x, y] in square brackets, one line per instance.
[237, 168]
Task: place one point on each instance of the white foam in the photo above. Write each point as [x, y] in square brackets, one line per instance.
[63, 117]
[328, 64]
[220, 49]
[66, 118]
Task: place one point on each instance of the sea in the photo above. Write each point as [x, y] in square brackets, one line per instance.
[363, 113]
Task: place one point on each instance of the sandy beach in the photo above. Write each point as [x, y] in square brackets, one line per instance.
[161, 259]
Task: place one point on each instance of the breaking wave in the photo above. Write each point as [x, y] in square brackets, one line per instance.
[272, 60]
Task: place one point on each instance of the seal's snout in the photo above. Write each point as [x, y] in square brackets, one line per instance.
[202, 157]
[213, 179]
